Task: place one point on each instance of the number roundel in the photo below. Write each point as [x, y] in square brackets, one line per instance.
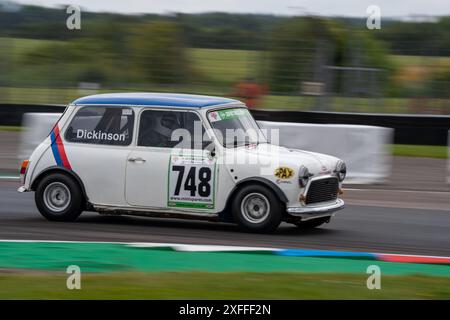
[191, 184]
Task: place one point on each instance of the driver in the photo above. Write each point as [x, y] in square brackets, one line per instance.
[156, 130]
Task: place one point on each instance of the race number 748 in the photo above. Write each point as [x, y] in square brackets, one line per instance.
[193, 182]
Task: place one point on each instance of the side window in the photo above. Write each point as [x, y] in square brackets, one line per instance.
[170, 129]
[102, 125]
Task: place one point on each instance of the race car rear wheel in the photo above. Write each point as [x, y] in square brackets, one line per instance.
[257, 209]
[59, 198]
[314, 223]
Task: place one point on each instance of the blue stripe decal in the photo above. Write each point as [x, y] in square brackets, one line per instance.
[55, 150]
[323, 253]
[154, 99]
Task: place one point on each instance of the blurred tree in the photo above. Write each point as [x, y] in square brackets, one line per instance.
[92, 74]
[418, 38]
[226, 31]
[439, 86]
[101, 55]
[292, 50]
[159, 53]
[245, 31]
[361, 49]
[301, 47]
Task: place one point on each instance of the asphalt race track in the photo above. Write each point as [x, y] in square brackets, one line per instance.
[357, 228]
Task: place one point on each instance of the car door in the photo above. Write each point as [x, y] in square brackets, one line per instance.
[168, 168]
[96, 145]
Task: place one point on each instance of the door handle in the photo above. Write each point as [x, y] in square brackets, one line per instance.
[134, 159]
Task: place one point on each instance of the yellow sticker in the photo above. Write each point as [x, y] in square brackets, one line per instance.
[284, 173]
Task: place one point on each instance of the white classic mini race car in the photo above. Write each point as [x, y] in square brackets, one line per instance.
[177, 155]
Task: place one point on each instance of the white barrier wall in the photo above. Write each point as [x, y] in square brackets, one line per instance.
[448, 157]
[36, 127]
[365, 149]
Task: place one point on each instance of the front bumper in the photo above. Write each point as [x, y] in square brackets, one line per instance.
[316, 211]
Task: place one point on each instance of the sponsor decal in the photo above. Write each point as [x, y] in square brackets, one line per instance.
[59, 153]
[100, 135]
[213, 116]
[227, 114]
[279, 181]
[284, 173]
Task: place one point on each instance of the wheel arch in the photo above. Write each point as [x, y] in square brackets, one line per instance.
[58, 169]
[226, 213]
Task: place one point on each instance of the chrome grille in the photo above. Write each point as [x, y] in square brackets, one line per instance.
[322, 190]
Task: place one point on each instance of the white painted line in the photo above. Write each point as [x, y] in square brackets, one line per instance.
[175, 246]
[61, 241]
[201, 248]
[9, 178]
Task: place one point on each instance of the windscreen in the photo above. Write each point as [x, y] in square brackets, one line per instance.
[235, 127]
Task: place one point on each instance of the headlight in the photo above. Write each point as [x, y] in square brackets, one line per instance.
[340, 170]
[303, 176]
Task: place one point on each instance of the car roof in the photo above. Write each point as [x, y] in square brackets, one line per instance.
[154, 99]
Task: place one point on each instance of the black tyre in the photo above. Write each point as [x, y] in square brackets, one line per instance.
[257, 209]
[310, 224]
[59, 198]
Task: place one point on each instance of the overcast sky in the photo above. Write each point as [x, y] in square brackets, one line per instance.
[357, 8]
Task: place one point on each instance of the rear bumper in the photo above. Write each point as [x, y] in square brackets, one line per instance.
[316, 211]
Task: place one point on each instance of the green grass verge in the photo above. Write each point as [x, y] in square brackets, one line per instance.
[405, 150]
[223, 66]
[10, 128]
[196, 285]
[113, 257]
[42, 95]
[405, 61]
[215, 71]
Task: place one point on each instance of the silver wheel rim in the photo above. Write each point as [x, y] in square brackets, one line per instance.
[57, 196]
[255, 207]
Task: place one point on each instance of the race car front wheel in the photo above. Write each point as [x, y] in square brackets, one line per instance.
[257, 209]
[59, 198]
